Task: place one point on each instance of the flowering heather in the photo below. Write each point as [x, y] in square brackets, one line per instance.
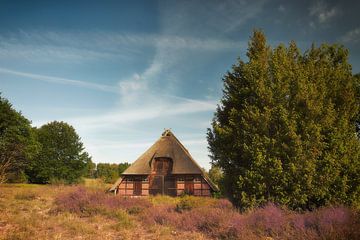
[86, 202]
[217, 218]
[269, 219]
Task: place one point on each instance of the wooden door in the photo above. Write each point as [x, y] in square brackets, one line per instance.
[170, 186]
[189, 187]
[137, 188]
[157, 185]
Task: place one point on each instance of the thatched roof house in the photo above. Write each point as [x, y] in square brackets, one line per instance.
[165, 168]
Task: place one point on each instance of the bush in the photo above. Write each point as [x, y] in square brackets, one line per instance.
[187, 203]
[215, 218]
[86, 202]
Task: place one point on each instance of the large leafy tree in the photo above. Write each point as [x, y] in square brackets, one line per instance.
[62, 156]
[285, 130]
[17, 143]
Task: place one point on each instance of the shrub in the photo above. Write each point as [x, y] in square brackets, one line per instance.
[222, 204]
[87, 202]
[161, 214]
[269, 219]
[333, 223]
[215, 218]
[187, 203]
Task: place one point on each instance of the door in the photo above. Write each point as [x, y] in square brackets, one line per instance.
[170, 186]
[137, 188]
[157, 185]
[189, 187]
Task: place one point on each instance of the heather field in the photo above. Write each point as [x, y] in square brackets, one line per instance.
[87, 212]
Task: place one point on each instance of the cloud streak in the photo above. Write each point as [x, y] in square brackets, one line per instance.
[59, 80]
[352, 36]
[78, 47]
[149, 111]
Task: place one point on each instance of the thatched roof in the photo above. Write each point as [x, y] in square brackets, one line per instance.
[166, 146]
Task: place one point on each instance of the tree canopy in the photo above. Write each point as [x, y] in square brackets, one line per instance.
[61, 157]
[110, 172]
[17, 143]
[285, 129]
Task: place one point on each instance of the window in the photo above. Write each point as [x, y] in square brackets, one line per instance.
[180, 179]
[162, 166]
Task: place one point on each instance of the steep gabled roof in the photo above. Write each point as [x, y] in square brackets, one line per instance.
[166, 146]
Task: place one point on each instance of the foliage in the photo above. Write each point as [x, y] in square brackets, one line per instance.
[217, 176]
[62, 156]
[285, 130]
[90, 167]
[122, 167]
[88, 202]
[222, 221]
[4, 168]
[187, 203]
[108, 172]
[17, 143]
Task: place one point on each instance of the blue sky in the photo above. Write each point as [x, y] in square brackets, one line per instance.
[122, 71]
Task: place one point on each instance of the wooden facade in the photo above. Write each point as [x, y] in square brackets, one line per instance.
[166, 168]
[164, 185]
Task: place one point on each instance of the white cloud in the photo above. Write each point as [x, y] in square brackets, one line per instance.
[78, 47]
[165, 107]
[322, 12]
[59, 80]
[352, 36]
[208, 17]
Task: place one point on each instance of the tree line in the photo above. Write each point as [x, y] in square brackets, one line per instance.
[52, 153]
[287, 127]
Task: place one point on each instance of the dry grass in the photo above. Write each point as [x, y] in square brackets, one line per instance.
[27, 212]
[86, 212]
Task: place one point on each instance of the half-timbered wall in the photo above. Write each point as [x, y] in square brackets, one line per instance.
[193, 185]
[134, 186]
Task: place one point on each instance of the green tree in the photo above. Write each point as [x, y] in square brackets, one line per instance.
[122, 167]
[17, 143]
[62, 156]
[108, 172]
[90, 166]
[285, 130]
[215, 174]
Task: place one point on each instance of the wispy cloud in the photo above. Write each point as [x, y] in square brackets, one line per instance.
[208, 17]
[352, 36]
[322, 12]
[149, 111]
[78, 47]
[59, 80]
